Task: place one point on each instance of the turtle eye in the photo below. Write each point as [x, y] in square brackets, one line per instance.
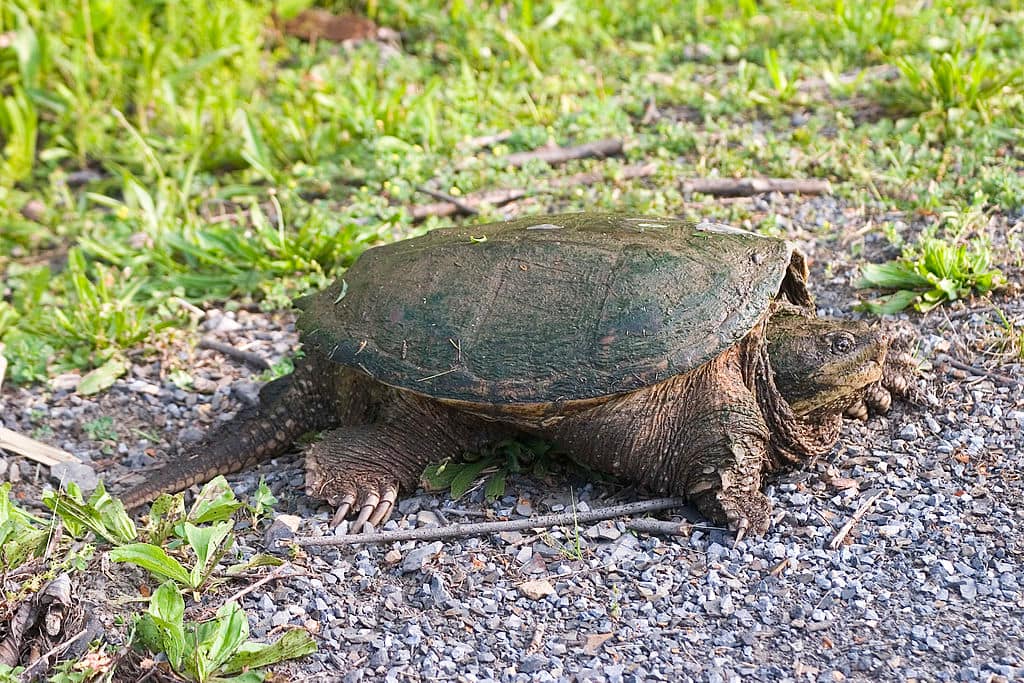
[842, 343]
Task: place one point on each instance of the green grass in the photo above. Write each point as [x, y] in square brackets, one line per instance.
[178, 154]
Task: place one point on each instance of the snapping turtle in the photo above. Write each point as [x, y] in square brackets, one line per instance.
[685, 357]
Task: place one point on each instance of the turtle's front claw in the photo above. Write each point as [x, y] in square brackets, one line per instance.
[374, 503]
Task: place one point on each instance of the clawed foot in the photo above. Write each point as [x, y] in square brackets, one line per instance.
[368, 496]
[744, 512]
[374, 505]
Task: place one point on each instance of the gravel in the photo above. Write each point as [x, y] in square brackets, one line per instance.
[927, 585]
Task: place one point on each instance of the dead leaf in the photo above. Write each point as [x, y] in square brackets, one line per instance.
[318, 24]
[594, 643]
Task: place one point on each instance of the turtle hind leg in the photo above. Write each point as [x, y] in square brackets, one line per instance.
[360, 470]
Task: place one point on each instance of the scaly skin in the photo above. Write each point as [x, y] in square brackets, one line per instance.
[773, 400]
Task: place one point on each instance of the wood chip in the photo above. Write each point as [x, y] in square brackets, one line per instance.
[536, 590]
[594, 642]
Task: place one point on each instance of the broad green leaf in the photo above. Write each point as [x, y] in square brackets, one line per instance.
[116, 522]
[495, 485]
[890, 275]
[892, 303]
[153, 559]
[293, 644]
[216, 502]
[161, 629]
[206, 542]
[109, 521]
[232, 630]
[102, 377]
[467, 474]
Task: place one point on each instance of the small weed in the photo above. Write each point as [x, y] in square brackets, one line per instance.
[961, 80]
[506, 457]
[782, 83]
[42, 433]
[262, 503]
[929, 273]
[100, 429]
[1013, 336]
[218, 649]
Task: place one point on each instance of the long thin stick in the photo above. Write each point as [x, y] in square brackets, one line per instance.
[463, 530]
[979, 372]
[32, 449]
[558, 155]
[504, 196]
[748, 187]
[251, 359]
[845, 529]
[445, 197]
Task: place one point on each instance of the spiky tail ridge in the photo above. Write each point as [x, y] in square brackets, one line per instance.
[288, 408]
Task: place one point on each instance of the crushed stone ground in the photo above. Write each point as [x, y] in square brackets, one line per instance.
[927, 585]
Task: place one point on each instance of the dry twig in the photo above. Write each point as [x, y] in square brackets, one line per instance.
[251, 359]
[462, 206]
[748, 187]
[500, 197]
[463, 530]
[844, 531]
[979, 372]
[560, 155]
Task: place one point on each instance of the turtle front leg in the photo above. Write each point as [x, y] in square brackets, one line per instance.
[900, 369]
[700, 436]
[724, 481]
[361, 469]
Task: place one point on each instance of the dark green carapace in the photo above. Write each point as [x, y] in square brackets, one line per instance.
[549, 308]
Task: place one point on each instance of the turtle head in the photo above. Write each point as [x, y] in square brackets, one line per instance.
[820, 363]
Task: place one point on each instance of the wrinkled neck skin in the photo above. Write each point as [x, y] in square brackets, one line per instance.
[803, 431]
[794, 439]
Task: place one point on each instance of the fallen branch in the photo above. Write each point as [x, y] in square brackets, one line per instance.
[32, 449]
[748, 187]
[463, 530]
[659, 527]
[500, 197]
[844, 531]
[979, 372]
[483, 141]
[462, 206]
[251, 359]
[560, 155]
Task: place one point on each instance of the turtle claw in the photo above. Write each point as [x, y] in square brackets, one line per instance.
[385, 506]
[741, 531]
[374, 507]
[343, 509]
[370, 502]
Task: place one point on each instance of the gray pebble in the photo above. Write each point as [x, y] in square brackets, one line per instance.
[81, 474]
[417, 558]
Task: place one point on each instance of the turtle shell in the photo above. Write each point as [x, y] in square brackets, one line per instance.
[548, 309]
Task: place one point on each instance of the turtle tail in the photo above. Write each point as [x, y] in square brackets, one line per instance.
[288, 407]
